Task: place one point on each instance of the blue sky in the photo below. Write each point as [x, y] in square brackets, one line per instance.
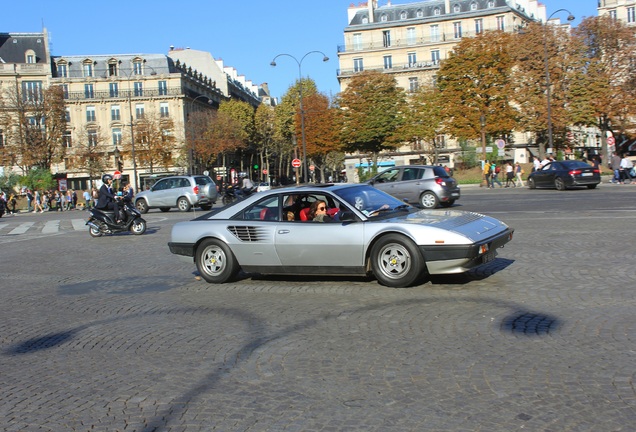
[246, 34]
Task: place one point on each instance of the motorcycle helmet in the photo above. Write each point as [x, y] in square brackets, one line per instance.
[106, 177]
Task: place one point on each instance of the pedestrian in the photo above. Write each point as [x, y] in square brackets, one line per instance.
[487, 173]
[626, 168]
[61, 202]
[29, 196]
[69, 200]
[74, 198]
[38, 202]
[496, 169]
[615, 165]
[536, 164]
[510, 175]
[519, 172]
[45, 200]
[94, 196]
[87, 199]
[13, 202]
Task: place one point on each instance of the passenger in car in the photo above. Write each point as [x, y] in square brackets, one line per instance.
[318, 212]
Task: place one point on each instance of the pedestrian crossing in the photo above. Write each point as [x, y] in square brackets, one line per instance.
[13, 227]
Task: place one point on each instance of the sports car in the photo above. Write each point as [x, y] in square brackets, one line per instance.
[368, 232]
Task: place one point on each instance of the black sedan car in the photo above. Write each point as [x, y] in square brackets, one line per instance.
[565, 174]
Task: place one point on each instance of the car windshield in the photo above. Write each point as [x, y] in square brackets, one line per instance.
[369, 200]
[574, 164]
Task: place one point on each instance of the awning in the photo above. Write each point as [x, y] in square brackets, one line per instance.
[380, 164]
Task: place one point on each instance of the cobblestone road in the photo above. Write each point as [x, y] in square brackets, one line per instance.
[114, 334]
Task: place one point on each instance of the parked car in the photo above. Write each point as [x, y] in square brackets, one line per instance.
[263, 186]
[565, 174]
[369, 231]
[182, 192]
[428, 186]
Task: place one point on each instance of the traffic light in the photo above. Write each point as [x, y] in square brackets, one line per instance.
[255, 166]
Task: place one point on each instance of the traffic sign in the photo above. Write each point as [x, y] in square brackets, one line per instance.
[500, 144]
[265, 172]
[611, 141]
[311, 167]
[296, 163]
[117, 175]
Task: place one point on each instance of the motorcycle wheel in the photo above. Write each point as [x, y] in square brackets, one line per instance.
[138, 227]
[227, 199]
[94, 232]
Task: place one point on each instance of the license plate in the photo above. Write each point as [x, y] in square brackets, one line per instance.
[454, 194]
[487, 257]
[586, 174]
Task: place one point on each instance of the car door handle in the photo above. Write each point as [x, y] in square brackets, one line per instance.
[283, 231]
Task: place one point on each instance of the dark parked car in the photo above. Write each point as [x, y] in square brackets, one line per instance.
[565, 174]
[425, 185]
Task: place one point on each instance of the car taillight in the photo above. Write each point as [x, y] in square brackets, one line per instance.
[575, 172]
[440, 181]
[196, 190]
[596, 171]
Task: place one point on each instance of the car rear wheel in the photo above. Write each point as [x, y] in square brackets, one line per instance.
[531, 183]
[559, 184]
[396, 261]
[142, 206]
[183, 204]
[216, 262]
[429, 200]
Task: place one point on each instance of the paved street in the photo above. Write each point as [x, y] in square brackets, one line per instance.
[115, 334]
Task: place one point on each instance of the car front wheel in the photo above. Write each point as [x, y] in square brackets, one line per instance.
[396, 261]
[429, 200]
[183, 204]
[531, 183]
[215, 261]
[559, 184]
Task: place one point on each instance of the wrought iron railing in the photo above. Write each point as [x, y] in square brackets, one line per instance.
[123, 94]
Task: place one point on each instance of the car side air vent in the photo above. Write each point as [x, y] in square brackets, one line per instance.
[248, 233]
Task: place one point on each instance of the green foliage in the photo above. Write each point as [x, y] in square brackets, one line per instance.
[38, 179]
[9, 181]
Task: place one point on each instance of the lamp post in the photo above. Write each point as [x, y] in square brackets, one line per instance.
[300, 97]
[547, 73]
[191, 152]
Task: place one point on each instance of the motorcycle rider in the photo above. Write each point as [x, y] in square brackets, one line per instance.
[107, 199]
[246, 185]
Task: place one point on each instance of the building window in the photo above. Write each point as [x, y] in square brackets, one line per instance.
[612, 14]
[457, 29]
[67, 115]
[65, 90]
[358, 65]
[435, 56]
[386, 38]
[473, 6]
[413, 85]
[419, 13]
[137, 67]
[383, 18]
[631, 14]
[436, 11]
[92, 138]
[67, 140]
[479, 26]
[456, 9]
[357, 41]
[113, 90]
[62, 70]
[139, 88]
[435, 33]
[403, 15]
[410, 36]
[491, 4]
[163, 110]
[90, 113]
[31, 91]
[412, 58]
[30, 58]
[115, 113]
[139, 111]
[89, 91]
[88, 69]
[388, 62]
[163, 88]
[365, 20]
[116, 136]
[501, 23]
[440, 141]
[112, 69]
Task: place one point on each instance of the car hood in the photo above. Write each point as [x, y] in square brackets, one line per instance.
[473, 225]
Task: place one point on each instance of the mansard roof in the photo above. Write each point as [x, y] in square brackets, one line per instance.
[14, 46]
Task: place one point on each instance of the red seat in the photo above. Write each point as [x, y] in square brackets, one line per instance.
[304, 214]
[267, 214]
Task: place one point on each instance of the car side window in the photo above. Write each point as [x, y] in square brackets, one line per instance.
[265, 210]
[184, 183]
[388, 176]
[160, 185]
[411, 174]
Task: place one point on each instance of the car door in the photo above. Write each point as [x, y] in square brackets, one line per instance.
[409, 186]
[387, 181]
[158, 193]
[545, 176]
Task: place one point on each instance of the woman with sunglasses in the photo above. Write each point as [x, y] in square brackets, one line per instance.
[318, 212]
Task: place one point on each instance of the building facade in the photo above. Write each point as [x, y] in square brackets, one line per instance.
[113, 102]
[623, 10]
[408, 41]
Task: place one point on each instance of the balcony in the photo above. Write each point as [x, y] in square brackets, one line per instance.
[405, 67]
[123, 94]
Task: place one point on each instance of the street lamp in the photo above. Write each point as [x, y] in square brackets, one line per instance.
[300, 96]
[547, 72]
[191, 153]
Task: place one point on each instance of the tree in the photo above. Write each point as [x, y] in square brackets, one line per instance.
[529, 76]
[155, 141]
[603, 83]
[265, 129]
[242, 114]
[90, 153]
[370, 110]
[475, 84]
[34, 122]
[38, 179]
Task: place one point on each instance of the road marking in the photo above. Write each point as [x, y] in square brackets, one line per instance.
[79, 224]
[24, 227]
[51, 227]
[3, 225]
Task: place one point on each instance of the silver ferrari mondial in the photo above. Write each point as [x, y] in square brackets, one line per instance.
[364, 231]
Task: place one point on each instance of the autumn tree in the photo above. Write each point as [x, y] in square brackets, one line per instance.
[529, 77]
[265, 128]
[34, 123]
[89, 153]
[238, 117]
[475, 84]
[320, 132]
[370, 110]
[155, 141]
[603, 89]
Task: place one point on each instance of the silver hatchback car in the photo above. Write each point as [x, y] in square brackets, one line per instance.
[182, 192]
[425, 185]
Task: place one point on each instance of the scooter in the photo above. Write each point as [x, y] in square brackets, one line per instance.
[103, 222]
